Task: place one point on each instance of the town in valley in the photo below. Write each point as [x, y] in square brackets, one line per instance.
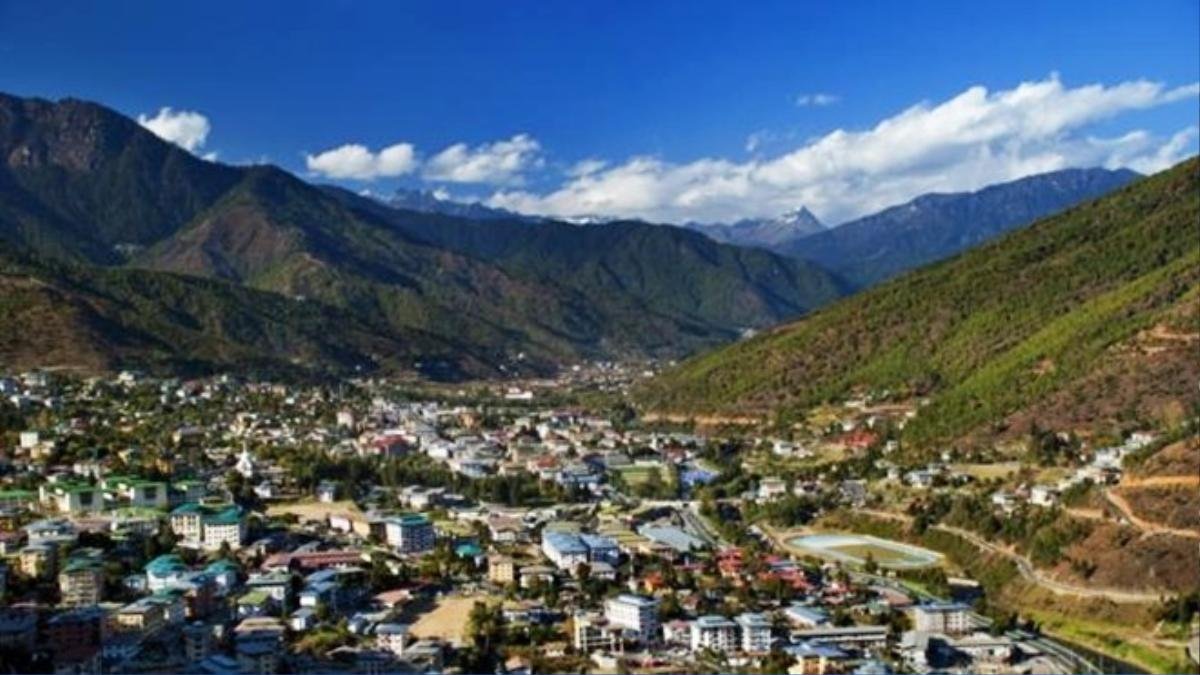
[224, 525]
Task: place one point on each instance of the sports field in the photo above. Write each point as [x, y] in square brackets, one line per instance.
[636, 474]
[448, 619]
[855, 549]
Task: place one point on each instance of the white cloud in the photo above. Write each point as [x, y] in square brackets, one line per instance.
[1144, 153]
[358, 162]
[756, 139]
[501, 162]
[818, 99]
[185, 128]
[973, 139]
[586, 167]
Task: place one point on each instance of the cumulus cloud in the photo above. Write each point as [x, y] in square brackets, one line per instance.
[358, 162]
[973, 139]
[501, 162]
[818, 100]
[185, 128]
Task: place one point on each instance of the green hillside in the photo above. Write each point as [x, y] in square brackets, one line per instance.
[92, 318]
[82, 184]
[985, 334]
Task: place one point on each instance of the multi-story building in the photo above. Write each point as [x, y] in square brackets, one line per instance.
[716, 633]
[594, 632]
[950, 618]
[164, 572]
[38, 561]
[410, 533]
[81, 582]
[392, 637]
[755, 632]
[568, 550]
[137, 492]
[208, 527]
[225, 574]
[141, 617]
[276, 585]
[257, 643]
[501, 570]
[635, 613]
[71, 497]
[601, 549]
[197, 641]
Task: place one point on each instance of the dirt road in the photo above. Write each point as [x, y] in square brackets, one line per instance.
[1031, 573]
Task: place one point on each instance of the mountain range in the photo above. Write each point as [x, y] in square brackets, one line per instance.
[871, 249]
[876, 247]
[125, 249]
[97, 209]
[1083, 319]
[426, 201]
[768, 233]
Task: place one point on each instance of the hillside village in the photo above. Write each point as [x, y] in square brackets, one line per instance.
[368, 527]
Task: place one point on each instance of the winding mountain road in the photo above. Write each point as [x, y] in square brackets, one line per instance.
[1031, 573]
[1148, 528]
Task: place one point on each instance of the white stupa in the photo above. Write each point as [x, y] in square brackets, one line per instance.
[245, 464]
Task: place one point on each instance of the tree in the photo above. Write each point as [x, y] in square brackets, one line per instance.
[485, 630]
[778, 661]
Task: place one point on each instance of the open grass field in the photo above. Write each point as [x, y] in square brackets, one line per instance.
[314, 510]
[636, 475]
[883, 555]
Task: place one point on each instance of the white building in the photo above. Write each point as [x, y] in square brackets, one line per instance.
[755, 633]
[716, 633]
[1043, 495]
[245, 464]
[592, 632]
[208, 527]
[567, 551]
[634, 613]
[392, 637]
[71, 497]
[948, 618]
[410, 533]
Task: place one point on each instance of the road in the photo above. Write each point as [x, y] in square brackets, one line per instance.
[1118, 501]
[689, 510]
[1072, 659]
[1031, 573]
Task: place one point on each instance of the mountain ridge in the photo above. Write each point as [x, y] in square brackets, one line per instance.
[81, 183]
[933, 226]
[992, 333]
[768, 233]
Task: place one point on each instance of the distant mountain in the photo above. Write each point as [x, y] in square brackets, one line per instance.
[935, 226]
[425, 201]
[767, 233]
[83, 185]
[1083, 320]
[666, 272]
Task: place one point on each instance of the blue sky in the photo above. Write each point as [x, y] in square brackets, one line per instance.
[690, 110]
